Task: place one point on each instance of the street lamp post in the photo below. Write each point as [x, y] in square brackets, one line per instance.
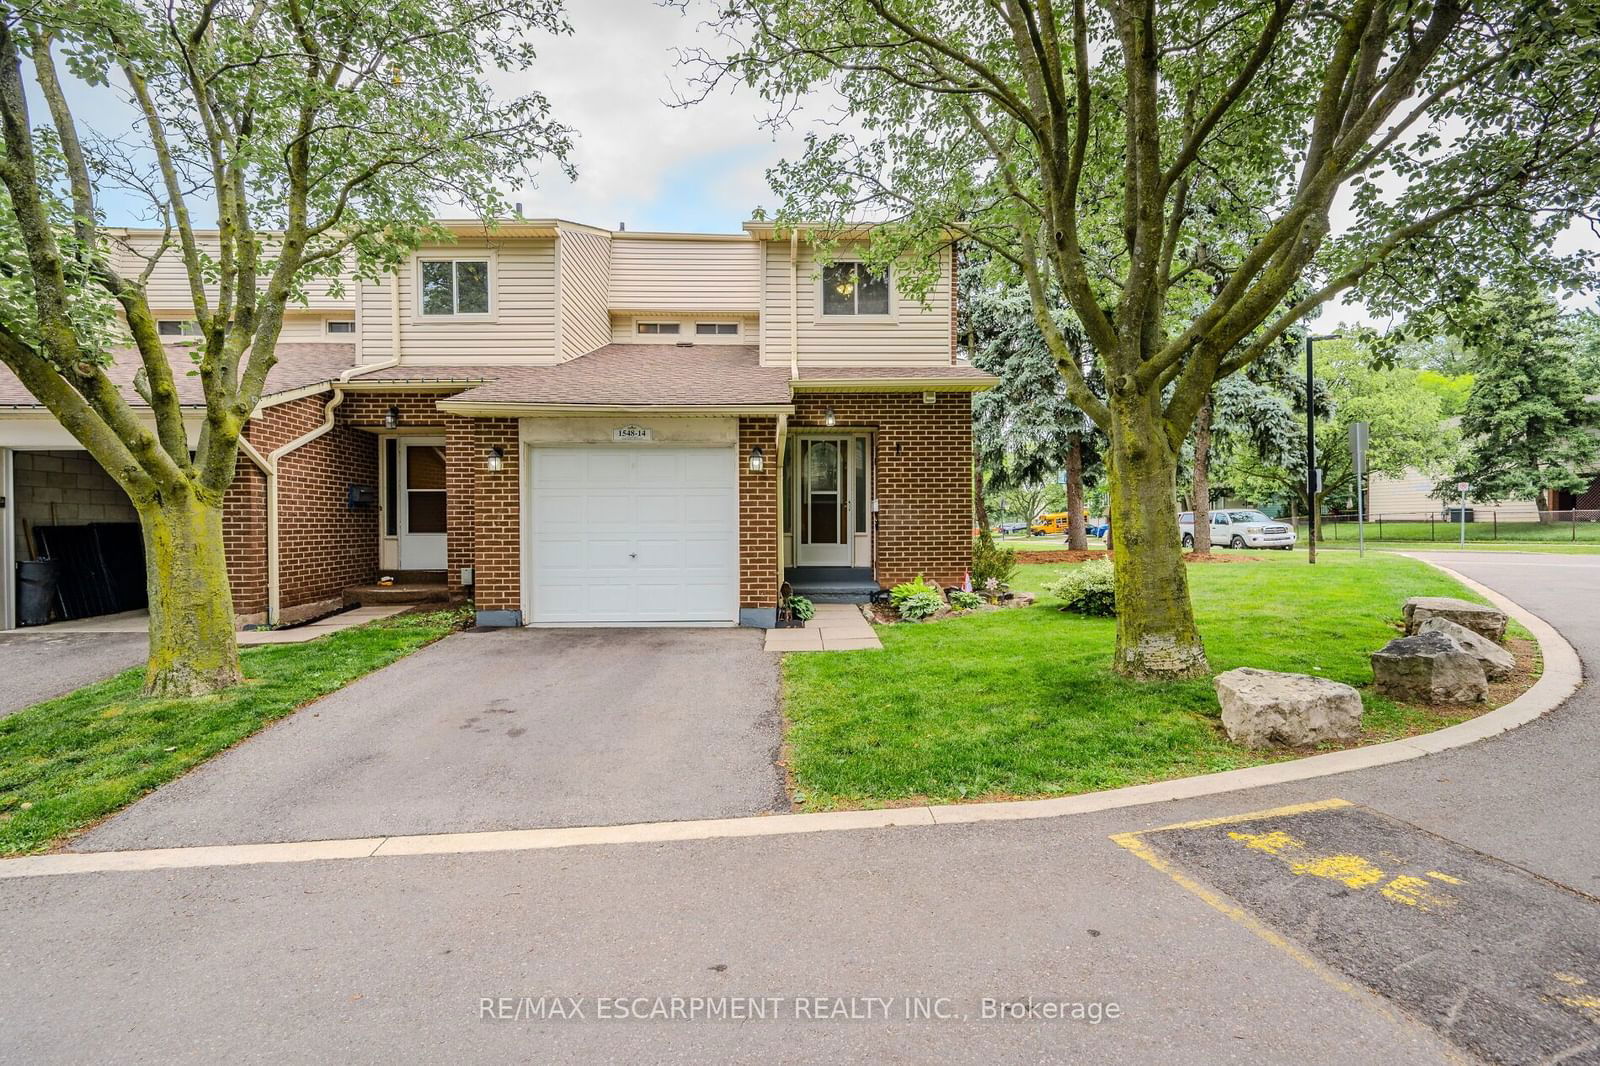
[1313, 477]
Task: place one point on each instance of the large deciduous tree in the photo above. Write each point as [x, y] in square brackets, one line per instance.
[322, 134]
[1170, 169]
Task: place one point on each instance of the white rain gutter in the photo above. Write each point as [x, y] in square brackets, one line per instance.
[269, 463]
[794, 303]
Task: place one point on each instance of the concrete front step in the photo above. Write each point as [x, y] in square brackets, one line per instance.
[376, 595]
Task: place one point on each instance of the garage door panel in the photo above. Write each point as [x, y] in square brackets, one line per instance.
[634, 535]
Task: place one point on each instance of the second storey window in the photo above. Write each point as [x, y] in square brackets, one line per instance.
[341, 325]
[455, 286]
[850, 289]
[658, 327]
[716, 329]
[177, 327]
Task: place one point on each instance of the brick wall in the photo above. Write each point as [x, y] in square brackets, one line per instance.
[496, 518]
[923, 467]
[244, 539]
[758, 514]
[462, 460]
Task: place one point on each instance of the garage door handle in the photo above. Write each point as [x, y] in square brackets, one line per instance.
[633, 555]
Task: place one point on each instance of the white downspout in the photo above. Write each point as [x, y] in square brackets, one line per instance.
[794, 303]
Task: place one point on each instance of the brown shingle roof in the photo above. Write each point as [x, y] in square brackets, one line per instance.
[640, 375]
[299, 364]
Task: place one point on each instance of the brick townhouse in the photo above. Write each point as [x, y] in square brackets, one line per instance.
[572, 426]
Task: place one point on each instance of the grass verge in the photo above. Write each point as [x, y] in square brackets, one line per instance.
[68, 762]
[1019, 703]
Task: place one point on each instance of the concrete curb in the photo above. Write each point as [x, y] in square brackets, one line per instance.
[1563, 673]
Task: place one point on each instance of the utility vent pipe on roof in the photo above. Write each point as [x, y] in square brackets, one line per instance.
[622, 227]
[683, 344]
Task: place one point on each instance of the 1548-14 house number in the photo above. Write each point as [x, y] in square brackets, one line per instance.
[630, 434]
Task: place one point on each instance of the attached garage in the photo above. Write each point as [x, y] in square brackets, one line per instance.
[633, 534]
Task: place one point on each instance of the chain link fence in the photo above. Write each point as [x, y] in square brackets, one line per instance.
[1482, 525]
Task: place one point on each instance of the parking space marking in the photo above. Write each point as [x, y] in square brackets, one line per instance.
[1501, 962]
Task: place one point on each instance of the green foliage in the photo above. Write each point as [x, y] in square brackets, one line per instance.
[964, 600]
[1452, 390]
[992, 562]
[1087, 589]
[915, 587]
[1528, 424]
[803, 608]
[920, 605]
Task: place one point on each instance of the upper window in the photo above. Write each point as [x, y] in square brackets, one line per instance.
[341, 325]
[177, 327]
[658, 327]
[850, 289]
[717, 329]
[455, 286]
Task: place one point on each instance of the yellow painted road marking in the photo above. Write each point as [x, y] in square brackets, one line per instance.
[1252, 816]
[1353, 871]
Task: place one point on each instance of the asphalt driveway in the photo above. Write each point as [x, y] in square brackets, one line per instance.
[500, 729]
[35, 666]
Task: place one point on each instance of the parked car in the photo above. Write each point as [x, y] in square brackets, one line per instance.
[1011, 527]
[1240, 529]
[1098, 527]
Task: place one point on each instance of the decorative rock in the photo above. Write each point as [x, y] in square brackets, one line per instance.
[1497, 663]
[1475, 616]
[1428, 668]
[1261, 708]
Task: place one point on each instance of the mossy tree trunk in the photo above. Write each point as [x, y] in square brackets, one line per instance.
[1201, 503]
[193, 649]
[1156, 634]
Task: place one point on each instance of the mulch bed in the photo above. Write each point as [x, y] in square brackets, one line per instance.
[1073, 556]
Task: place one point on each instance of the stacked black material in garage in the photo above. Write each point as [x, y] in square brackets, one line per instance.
[100, 567]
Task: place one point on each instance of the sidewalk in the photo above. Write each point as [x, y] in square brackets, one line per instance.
[836, 627]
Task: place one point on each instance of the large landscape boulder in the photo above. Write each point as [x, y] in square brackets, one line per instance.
[1475, 616]
[1428, 668]
[1497, 662]
[1261, 708]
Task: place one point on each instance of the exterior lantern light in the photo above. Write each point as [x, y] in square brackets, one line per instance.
[496, 461]
[391, 418]
[758, 461]
[828, 418]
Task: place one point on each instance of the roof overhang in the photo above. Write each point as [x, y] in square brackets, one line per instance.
[535, 410]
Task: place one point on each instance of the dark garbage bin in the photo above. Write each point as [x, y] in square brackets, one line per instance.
[37, 580]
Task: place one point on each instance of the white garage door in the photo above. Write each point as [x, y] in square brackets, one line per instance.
[645, 534]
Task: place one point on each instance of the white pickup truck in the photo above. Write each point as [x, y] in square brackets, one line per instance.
[1240, 529]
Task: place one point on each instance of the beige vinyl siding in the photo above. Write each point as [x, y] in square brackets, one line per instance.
[521, 327]
[584, 258]
[684, 274]
[168, 288]
[624, 329]
[1411, 496]
[305, 327]
[917, 335]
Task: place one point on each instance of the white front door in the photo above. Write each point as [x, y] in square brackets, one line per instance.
[822, 502]
[422, 503]
[627, 535]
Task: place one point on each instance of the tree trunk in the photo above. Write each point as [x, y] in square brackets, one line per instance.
[1156, 634]
[1077, 535]
[1202, 479]
[980, 507]
[193, 650]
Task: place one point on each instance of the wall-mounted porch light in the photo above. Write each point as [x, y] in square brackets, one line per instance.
[758, 461]
[496, 461]
[391, 418]
[828, 418]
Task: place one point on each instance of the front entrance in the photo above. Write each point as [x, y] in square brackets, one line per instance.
[831, 501]
[422, 500]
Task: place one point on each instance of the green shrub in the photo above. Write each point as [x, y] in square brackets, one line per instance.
[900, 593]
[1087, 589]
[920, 605]
[965, 601]
[990, 561]
[803, 608]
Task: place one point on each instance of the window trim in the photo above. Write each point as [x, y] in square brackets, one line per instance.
[486, 256]
[640, 331]
[716, 328]
[329, 323]
[824, 318]
[187, 327]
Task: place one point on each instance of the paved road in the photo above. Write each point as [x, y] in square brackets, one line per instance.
[35, 666]
[390, 960]
[496, 729]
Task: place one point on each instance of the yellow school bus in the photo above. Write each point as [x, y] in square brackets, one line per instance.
[1046, 524]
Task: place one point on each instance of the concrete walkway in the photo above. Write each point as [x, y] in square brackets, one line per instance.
[131, 622]
[920, 932]
[836, 627]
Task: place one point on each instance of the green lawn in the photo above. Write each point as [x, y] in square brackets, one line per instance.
[1022, 702]
[70, 761]
[1449, 533]
[1053, 542]
[1538, 547]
